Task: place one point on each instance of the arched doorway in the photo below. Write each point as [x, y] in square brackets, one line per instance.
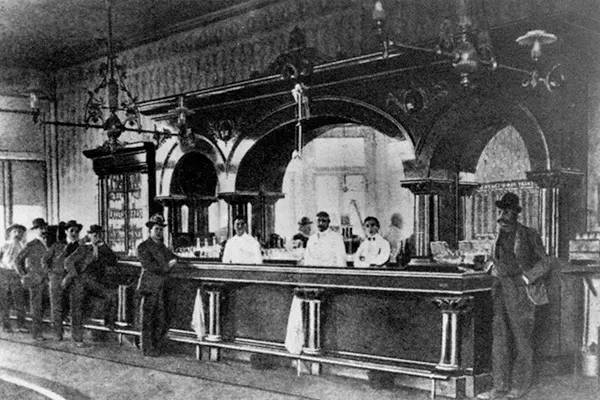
[350, 171]
[451, 152]
[192, 190]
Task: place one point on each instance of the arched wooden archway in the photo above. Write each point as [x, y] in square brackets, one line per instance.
[192, 190]
[459, 136]
[262, 168]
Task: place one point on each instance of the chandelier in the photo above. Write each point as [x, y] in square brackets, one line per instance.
[469, 48]
[110, 105]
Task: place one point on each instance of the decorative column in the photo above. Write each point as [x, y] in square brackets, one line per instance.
[426, 211]
[557, 198]
[452, 308]
[263, 213]
[237, 205]
[311, 315]
[215, 295]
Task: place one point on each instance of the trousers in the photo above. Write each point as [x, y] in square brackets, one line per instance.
[152, 321]
[10, 286]
[512, 328]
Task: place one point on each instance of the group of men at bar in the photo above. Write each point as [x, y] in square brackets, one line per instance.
[72, 268]
[326, 247]
[520, 266]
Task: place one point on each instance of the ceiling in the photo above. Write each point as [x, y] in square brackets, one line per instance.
[50, 34]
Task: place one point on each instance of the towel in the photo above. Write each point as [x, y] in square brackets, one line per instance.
[198, 324]
[294, 338]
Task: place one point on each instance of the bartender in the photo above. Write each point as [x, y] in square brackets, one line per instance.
[242, 248]
[374, 251]
[326, 247]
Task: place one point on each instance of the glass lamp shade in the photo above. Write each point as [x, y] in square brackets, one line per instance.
[378, 12]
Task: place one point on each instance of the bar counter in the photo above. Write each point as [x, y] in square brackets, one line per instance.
[434, 325]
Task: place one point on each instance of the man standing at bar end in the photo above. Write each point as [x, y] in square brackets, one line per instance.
[157, 261]
[519, 266]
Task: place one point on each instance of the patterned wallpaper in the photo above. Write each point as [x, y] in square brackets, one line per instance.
[504, 158]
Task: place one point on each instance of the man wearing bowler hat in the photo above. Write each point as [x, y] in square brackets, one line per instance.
[86, 273]
[157, 260]
[29, 265]
[10, 281]
[519, 266]
[300, 239]
[54, 264]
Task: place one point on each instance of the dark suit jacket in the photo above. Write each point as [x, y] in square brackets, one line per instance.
[29, 260]
[532, 261]
[154, 258]
[81, 261]
[54, 259]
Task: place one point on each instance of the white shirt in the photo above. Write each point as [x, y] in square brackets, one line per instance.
[242, 250]
[325, 249]
[10, 251]
[373, 251]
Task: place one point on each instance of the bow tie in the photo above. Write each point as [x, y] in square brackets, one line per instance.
[371, 239]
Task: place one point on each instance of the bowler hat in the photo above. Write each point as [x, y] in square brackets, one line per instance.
[156, 219]
[38, 223]
[509, 201]
[13, 227]
[73, 224]
[95, 229]
[305, 221]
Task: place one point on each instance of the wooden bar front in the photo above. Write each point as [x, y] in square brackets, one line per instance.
[434, 323]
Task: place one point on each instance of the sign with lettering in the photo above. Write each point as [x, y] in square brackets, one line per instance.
[127, 211]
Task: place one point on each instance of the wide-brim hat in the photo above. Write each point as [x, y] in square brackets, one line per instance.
[39, 223]
[305, 221]
[95, 229]
[509, 201]
[156, 219]
[73, 224]
[13, 227]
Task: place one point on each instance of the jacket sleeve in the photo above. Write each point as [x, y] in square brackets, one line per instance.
[148, 260]
[357, 261]
[542, 266]
[20, 260]
[257, 253]
[78, 256]
[47, 259]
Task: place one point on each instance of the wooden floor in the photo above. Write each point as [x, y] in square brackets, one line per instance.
[109, 371]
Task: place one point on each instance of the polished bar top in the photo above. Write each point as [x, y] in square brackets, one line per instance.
[445, 283]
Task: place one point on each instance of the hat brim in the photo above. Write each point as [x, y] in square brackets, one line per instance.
[151, 224]
[503, 206]
[78, 226]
